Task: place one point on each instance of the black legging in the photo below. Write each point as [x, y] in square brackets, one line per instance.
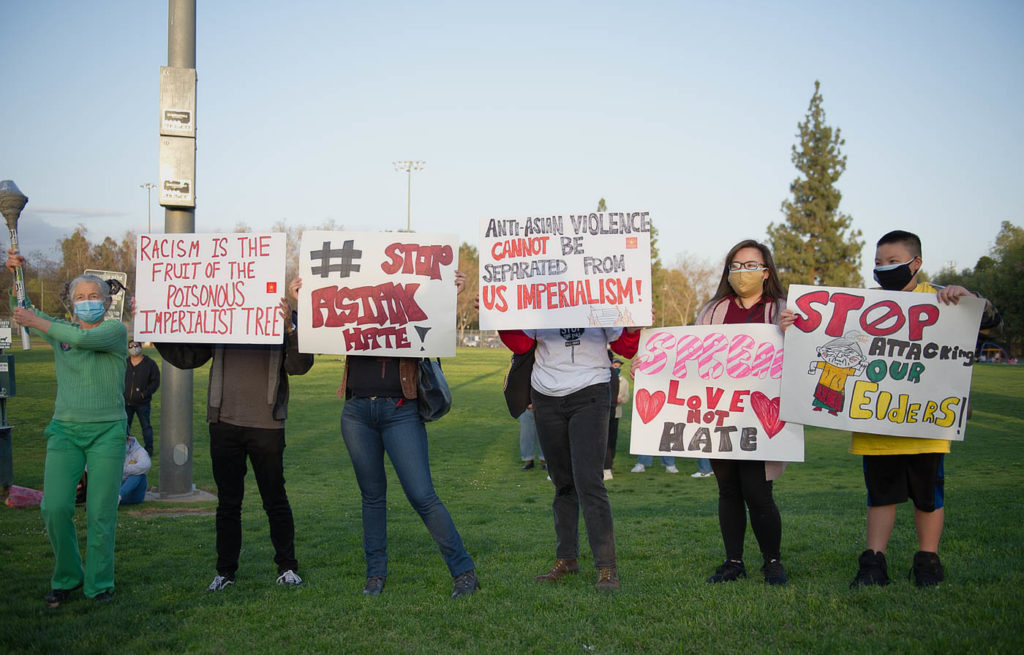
[743, 482]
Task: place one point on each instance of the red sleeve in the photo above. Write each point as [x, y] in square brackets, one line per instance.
[518, 342]
[627, 344]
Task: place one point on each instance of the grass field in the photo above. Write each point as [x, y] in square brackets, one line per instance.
[666, 530]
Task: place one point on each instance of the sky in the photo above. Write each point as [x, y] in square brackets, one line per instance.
[687, 110]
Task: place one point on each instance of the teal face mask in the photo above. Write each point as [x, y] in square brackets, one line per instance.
[90, 311]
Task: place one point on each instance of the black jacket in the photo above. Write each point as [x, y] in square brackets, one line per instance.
[141, 382]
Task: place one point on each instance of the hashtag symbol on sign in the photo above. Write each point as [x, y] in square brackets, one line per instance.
[347, 256]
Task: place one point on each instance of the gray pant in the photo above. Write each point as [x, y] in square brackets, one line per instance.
[573, 433]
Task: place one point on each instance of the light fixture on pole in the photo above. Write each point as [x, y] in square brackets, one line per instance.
[149, 186]
[408, 167]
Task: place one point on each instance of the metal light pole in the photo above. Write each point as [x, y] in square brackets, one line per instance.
[149, 186]
[409, 166]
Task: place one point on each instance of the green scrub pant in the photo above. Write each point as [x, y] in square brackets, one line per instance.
[70, 447]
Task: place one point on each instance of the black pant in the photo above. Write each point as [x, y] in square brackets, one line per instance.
[613, 438]
[573, 433]
[743, 482]
[229, 447]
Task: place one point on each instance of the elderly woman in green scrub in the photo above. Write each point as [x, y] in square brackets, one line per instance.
[87, 430]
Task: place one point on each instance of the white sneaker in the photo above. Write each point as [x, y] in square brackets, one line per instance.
[671, 469]
[607, 474]
[698, 474]
[289, 577]
[220, 583]
[639, 468]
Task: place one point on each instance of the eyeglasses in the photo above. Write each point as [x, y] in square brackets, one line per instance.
[747, 266]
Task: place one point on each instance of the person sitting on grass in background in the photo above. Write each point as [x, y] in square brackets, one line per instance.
[141, 380]
[898, 468]
[133, 479]
[88, 428]
[246, 407]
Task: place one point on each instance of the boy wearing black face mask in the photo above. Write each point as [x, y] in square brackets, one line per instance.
[896, 468]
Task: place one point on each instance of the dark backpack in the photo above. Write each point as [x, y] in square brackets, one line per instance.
[517, 382]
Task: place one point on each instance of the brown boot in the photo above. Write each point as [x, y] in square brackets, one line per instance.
[607, 579]
[562, 568]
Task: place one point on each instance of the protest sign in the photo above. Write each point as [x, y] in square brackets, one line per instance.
[386, 294]
[881, 362]
[712, 391]
[209, 288]
[116, 309]
[571, 271]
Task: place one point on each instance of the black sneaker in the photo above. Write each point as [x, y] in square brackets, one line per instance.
[729, 571]
[927, 569]
[873, 570]
[103, 597]
[57, 597]
[465, 584]
[774, 574]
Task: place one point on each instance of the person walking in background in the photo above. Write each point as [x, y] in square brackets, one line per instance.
[703, 468]
[529, 444]
[88, 429]
[246, 407]
[133, 479]
[618, 393]
[141, 380]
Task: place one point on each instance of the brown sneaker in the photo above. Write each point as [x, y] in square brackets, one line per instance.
[607, 579]
[562, 568]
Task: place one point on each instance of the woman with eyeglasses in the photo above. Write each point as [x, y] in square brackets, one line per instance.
[749, 292]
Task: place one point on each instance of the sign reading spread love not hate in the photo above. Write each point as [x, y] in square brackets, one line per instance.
[571, 271]
[881, 362]
[209, 288]
[712, 391]
[387, 294]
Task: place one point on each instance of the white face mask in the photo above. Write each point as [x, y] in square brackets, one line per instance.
[135, 350]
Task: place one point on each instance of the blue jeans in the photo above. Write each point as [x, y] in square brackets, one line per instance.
[647, 460]
[142, 411]
[528, 440]
[370, 428]
[704, 465]
[133, 490]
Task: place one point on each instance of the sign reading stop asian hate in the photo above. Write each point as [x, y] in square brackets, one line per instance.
[881, 362]
[565, 271]
[209, 288]
[378, 293]
[712, 391]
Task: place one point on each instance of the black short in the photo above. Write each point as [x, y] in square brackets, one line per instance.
[891, 479]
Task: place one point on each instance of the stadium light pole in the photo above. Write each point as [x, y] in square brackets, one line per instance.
[149, 186]
[408, 166]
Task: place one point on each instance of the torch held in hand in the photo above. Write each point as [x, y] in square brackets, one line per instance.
[12, 201]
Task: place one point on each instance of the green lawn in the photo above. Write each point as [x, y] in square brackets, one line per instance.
[667, 535]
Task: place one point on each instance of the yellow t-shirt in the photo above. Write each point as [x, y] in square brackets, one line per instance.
[878, 444]
[834, 377]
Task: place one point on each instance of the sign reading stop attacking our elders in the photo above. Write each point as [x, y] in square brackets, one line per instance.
[565, 271]
[378, 293]
[712, 391]
[209, 288]
[881, 362]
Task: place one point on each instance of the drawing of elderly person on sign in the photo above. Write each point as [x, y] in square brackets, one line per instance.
[840, 359]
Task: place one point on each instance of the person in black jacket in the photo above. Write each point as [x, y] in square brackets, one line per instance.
[141, 380]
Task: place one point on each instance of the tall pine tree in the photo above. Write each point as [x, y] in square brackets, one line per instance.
[815, 245]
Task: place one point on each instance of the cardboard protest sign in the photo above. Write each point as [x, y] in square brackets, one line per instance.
[571, 271]
[369, 293]
[116, 309]
[712, 391]
[881, 362]
[209, 288]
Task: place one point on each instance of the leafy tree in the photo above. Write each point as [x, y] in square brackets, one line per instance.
[467, 315]
[814, 245]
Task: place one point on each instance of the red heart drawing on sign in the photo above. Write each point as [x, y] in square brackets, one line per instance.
[649, 404]
[767, 411]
